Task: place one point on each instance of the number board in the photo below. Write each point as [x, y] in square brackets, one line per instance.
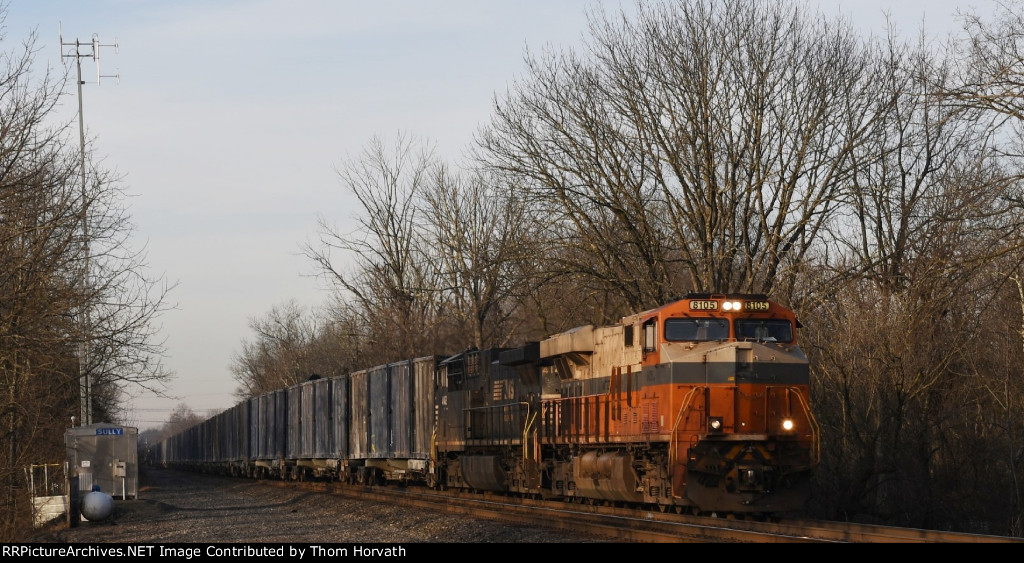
[703, 305]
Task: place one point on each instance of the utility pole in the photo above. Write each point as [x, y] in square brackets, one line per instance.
[85, 386]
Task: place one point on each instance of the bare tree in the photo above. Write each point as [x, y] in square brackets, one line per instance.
[69, 279]
[927, 221]
[992, 76]
[181, 419]
[280, 355]
[701, 145]
[341, 343]
[990, 80]
[478, 232]
[381, 267]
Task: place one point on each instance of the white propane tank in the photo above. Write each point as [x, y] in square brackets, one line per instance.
[97, 505]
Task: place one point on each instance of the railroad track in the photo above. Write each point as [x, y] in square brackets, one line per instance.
[632, 525]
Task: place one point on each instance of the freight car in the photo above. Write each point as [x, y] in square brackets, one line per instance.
[701, 405]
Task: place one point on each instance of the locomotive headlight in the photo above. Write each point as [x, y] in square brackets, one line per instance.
[787, 424]
[732, 306]
[715, 424]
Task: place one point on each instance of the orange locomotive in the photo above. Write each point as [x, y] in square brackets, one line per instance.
[699, 405]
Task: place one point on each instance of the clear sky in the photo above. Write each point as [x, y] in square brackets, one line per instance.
[230, 117]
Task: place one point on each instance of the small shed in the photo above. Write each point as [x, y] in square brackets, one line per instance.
[106, 455]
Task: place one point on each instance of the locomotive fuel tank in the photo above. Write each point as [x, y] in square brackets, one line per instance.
[608, 476]
[483, 472]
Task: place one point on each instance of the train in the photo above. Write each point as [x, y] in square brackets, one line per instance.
[700, 406]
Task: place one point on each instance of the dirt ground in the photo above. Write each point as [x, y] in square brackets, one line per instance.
[181, 507]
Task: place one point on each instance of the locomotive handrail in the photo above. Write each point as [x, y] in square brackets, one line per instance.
[494, 406]
[530, 418]
[815, 428]
[433, 445]
[527, 420]
[679, 417]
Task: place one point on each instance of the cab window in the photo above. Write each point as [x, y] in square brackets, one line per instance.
[683, 330]
[767, 330]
